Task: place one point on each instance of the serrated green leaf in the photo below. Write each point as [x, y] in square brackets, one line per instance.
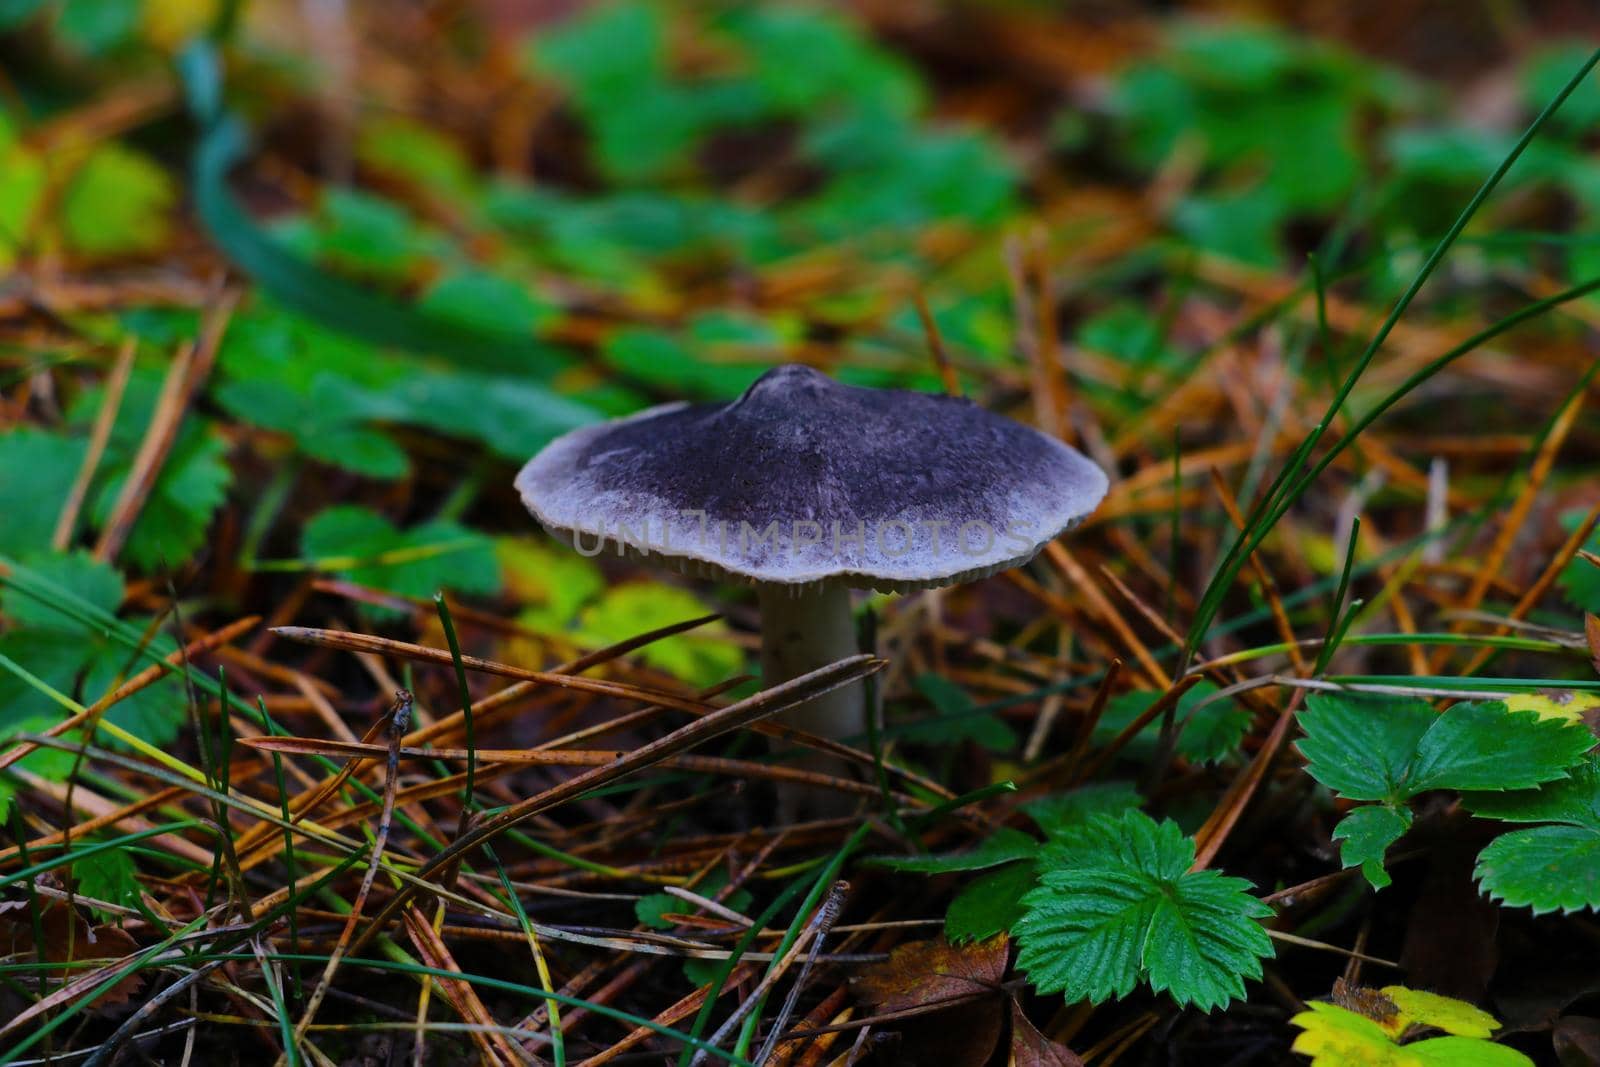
[1116, 904]
[1392, 749]
[1580, 579]
[173, 520]
[36, 473]
[1574, 799]
[990, 904]
[1212, 729]
[955, 720]
[109, 876]
[1547, 868]
[1059, 812]
[79, 662]
[1366, 834]
[1003, 846]
[1482, 745]
[78, 574]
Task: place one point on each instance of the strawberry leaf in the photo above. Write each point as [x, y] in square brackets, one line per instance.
[1390, 750]
[1117, 905]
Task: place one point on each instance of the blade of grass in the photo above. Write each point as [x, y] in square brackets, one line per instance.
[1285, 489]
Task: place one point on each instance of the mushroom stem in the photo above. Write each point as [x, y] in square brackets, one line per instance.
[803, 628]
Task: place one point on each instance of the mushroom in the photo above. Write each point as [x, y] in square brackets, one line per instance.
[809, 488]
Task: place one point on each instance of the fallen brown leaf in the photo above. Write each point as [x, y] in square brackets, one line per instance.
[1030, 1048]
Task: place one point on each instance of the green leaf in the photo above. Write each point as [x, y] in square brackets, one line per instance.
[14, 13]
[1391, 749]
[1366, 834]
[513, 417]
[1545, 75]
[1003, 846]
[554, 582]
[1464, 1052]
[671, 363]
[989, 904]
[192, 485]
[79, 575]
[109, 876]
[367, 234]
[1117, 905]
[956, 720]
[97, 25]
[1457, 1017]
[75, 658]
[1574, 800]
[1481, 745]
[36, 473]
[1239, 225]
[1060, 812]
[478, 299]
[891, 175]
[364, 547]
[805, 59]
[420, 154]
[24, 179]
[613, 58]
[118, 203]
[1361, 747]
[51, 764]
[1212, 729]
[1547, 868]
[1580, 579]
[358, 449]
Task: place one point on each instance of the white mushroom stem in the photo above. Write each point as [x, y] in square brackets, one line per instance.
[803, 628]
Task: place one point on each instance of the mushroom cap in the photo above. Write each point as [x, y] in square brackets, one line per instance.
[803, 480]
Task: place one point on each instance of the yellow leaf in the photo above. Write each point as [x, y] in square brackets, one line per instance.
[1337, 1037]
[1443, 1013]
[1555, 704]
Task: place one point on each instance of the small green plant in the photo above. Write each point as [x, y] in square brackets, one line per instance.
[1390, 750]
[1117, 905]
[1106, 902]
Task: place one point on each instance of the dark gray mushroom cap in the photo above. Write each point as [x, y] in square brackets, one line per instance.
[803, 480]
